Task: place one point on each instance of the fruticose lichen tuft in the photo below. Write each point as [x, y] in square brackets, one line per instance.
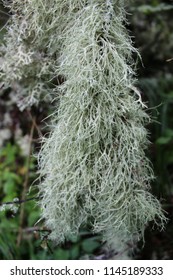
[93, 165]
[31, 45]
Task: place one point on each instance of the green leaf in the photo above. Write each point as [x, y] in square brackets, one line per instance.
[9, 187]
[33, 217]
[74, 252]
[90, 245]
[73, 238]
[163, 140]
[61, 254]
[166, 138]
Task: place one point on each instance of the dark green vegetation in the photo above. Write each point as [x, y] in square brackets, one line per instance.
[20, 236]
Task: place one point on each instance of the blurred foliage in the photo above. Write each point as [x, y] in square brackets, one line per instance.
[151, 25]
[34, 244]
[159, 92]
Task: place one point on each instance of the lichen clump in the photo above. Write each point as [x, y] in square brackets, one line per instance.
[93, 166]
[30, 47]
[93, 163]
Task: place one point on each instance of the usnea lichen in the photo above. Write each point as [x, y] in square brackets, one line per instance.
[93, 164]
[30, 48]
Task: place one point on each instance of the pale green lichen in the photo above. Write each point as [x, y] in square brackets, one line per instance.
[30, 48]
[93, 164]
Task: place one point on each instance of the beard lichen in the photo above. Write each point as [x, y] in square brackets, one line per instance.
[93, 166]
[30, 48]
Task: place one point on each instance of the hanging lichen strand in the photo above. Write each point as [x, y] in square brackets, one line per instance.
[93, 164]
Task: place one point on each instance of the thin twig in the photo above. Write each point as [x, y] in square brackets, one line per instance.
[18, 201]
[25, 188]
[35, 124]
[169, 60]
[34, 229]
[27, 230]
